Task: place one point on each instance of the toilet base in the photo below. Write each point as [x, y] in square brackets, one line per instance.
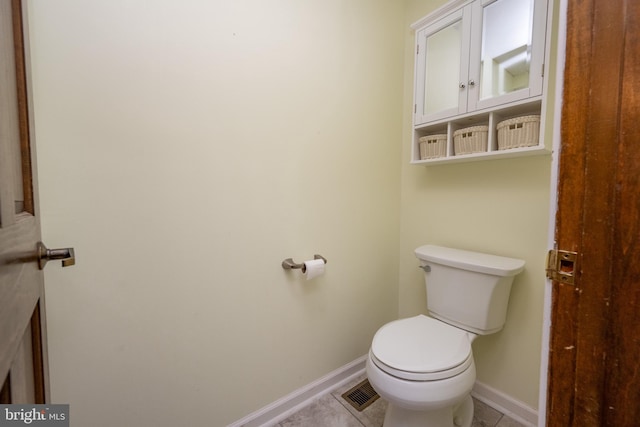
[461, 416]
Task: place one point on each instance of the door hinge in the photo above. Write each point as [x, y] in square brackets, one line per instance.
[561, 266]
[417, 49]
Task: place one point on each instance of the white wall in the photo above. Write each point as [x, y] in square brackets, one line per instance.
[496, 206]
[185, 149]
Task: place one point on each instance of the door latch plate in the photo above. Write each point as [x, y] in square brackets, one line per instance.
[561, 266]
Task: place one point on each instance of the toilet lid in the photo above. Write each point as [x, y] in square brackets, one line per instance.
[421, 348]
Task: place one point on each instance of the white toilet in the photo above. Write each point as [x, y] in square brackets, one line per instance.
[423, 366]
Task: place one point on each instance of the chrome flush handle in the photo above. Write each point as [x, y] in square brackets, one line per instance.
[66, 255]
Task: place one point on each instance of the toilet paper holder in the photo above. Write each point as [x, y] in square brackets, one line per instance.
[289, 264]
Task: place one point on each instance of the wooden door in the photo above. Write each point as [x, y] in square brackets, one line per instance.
[594, 373]
[23, 338]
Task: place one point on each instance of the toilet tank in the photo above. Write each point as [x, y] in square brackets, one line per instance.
[469, 290]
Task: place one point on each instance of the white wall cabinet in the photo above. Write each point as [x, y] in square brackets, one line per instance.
[478, 62]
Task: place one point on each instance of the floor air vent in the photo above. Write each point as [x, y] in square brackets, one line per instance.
[361, 396]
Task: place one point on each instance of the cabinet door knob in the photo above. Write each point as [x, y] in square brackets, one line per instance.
[462, 85]
[472, 82]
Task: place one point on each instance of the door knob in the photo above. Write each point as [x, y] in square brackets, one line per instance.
[66, 255]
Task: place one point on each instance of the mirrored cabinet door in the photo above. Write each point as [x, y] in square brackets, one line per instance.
[507, 55]
[442, 68]
[506, 47]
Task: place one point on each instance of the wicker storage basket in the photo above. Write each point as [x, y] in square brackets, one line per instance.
[470, 140]
[518, 132]
[433, 146]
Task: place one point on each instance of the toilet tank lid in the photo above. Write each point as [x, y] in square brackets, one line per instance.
[472, 261]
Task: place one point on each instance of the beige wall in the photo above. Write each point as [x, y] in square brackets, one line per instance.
[185, 149]
[497, 206]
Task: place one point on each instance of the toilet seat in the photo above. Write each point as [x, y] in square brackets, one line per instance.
[421, 349]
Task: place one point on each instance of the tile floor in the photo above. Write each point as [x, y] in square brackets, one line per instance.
[331, 410]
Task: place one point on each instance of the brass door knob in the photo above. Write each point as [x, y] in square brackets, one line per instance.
[66, 255]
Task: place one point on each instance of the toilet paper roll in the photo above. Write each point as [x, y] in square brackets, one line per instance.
[313, 268]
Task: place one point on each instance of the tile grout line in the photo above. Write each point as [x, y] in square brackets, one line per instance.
[346, 408]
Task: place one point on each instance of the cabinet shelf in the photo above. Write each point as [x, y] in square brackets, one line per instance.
[489, 155]
[490, 118]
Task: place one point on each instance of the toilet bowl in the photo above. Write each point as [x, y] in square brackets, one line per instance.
[423, 365]
[424, 368]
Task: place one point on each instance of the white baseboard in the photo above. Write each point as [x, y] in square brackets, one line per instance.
[290, 404]
[293, 402]
[505, 404]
